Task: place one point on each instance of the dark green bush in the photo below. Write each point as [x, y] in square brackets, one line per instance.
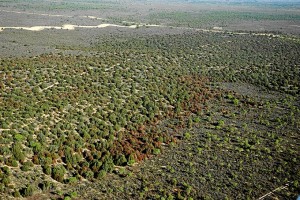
[88, 175]
[27, 166]
[58, 173]
[95, 165]
[16, 194]
[5, 170]
[100, 174]
[46, 185]
[47, 169]
[108, 165]
[17, 151]
[120, 160]
[27, 191]
[72, 180]
[6, 180]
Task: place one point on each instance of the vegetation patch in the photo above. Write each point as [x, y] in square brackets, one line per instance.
[72, 122]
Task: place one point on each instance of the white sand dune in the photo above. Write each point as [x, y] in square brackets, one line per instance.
[295, 26]
[70, 27]
[73, 27]
[93, 17]
[40, 28]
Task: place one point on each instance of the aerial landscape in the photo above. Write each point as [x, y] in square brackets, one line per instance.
[148, 99]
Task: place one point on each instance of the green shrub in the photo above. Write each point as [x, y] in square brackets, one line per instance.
[131, 160]
[121, 160]
[230, 96]
[70, 157]
[18, 153]
[221, 123]
[187, 135]
[72, 180]
[58, 173]
[108, 165]
[6, 180]
[4, 150]
[26, 166]
[27, 191]
[235, 101]
[46, 185]
[73, 194]
[2, 187]
[100, 174]
[45, 160]
[14, 163]
[36, 146]
[5, 170]
[95, 165]
[16, 194]
[19, 137]
[47, 169]
[88, 174]
[11, 162]
[156, 151]
[67, 198]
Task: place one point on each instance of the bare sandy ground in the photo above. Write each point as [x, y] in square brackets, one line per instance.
[31, 13]
[70, 27]
[51, 15]
[26, 33]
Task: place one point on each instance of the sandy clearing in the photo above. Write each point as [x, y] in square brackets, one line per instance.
[30, 13]
[52, 15]
[50, 86]
[93, 17]
[5, 129]
[71, 27]
[39, 28]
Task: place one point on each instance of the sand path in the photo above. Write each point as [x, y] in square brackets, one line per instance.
[105, 25]
[51, 15]
[67, 26]
[70, 27]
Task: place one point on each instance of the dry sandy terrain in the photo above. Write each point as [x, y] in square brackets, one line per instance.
[53, 21]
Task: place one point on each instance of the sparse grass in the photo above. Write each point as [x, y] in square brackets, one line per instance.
[206, 18]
